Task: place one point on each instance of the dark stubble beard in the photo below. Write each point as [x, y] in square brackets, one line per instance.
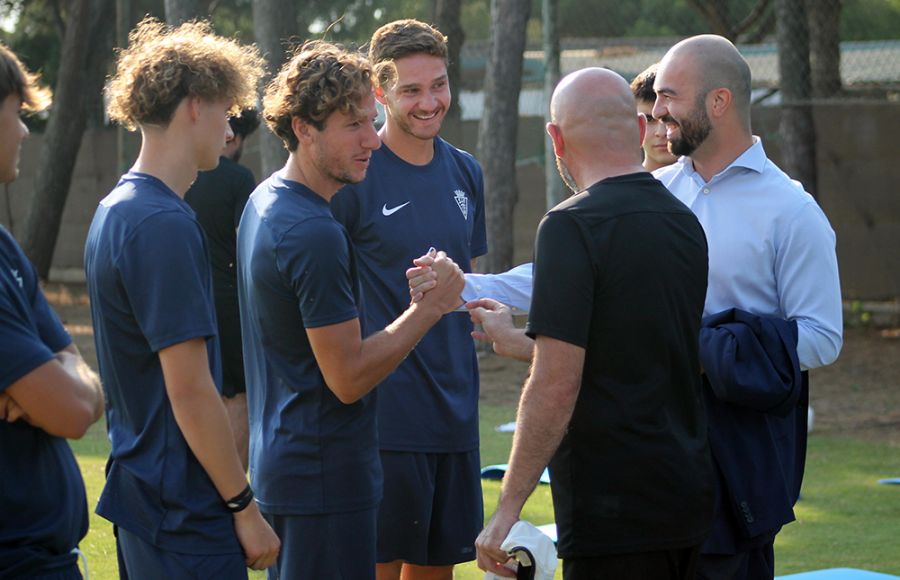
[694, 129]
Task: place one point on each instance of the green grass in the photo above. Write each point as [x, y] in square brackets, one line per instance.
[845, 518]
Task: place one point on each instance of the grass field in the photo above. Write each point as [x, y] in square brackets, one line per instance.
[845, 518]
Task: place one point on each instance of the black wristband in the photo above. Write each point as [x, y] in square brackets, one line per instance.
[240, 501]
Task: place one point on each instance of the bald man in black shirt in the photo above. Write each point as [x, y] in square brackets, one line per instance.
[613, 400]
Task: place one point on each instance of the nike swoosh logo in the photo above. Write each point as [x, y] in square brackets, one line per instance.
[385, 211]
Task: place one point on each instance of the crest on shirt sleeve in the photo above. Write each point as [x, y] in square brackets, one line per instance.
[462, 201]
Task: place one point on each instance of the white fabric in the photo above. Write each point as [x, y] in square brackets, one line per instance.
[525, 536]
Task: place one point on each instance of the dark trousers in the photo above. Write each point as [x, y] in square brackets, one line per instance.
[658, 565]
[756, 564]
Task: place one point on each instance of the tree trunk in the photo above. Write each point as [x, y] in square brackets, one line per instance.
[82, 64]
[499, 126]
[178, 11]
[448, 19]
[797, 126]
[555, 189]
[274, 22]
[824, 19]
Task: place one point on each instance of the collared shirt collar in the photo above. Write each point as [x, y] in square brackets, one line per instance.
[754, 159]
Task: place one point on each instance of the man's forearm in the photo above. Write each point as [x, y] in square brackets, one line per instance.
[545, 409]
[203, 422]
[89, 388]
[379, 354]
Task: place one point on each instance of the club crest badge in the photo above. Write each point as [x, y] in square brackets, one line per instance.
[462, 201]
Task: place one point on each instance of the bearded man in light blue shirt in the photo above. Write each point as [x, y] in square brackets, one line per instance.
[771, 248]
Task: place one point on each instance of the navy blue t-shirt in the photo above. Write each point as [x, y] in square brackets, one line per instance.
[309, 453]
[430, 403]
[148, 275]
[41, 490]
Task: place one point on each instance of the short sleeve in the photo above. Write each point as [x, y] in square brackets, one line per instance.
[164, 269]
[315, 258]
[50, 328]
[563, 295]
[21, 349]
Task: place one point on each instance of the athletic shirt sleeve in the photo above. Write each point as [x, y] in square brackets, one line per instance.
[164, 268]
[562, 299]
[314, 256]
[30, 332]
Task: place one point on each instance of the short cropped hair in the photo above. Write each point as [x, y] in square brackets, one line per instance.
[164, 64]
[17, 80]
[402, 38]
[245, 123]
[319, 79]
[642, 85]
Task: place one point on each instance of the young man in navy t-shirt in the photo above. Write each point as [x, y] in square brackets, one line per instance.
[420, 192]
[310, 373]
[175, 487]
[47, 391]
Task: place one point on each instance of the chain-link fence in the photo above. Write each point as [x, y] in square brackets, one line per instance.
[826, 90]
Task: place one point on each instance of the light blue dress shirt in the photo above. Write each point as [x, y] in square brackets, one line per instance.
[771, 248]
[512, 287]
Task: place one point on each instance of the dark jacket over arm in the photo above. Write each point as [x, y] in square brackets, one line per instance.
[757, 400]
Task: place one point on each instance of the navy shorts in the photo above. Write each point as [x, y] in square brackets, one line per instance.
[432, 508]
[143, 560]
[339, 546]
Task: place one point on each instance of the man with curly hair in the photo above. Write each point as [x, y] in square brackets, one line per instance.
[310, 373]
[47, 391]
[420, 192]
[177, 494]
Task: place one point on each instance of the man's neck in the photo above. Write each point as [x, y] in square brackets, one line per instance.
[299, 169]
[411, 149]
[714, 155]
[168, 160]
[594, 174]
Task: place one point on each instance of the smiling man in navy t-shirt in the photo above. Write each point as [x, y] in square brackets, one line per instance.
[420, 192]
[175, 487]
[47, 392]
[313, 442]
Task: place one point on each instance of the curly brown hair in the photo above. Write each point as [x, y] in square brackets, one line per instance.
[17, 80]
[163, 64]
[319, 79]
[402, 38]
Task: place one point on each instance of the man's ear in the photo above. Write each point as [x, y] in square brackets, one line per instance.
[193, 105]
[719, 101]
[556, 137]
[642, 126]
[302, 130]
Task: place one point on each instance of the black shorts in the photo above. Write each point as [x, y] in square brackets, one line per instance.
[432, 509]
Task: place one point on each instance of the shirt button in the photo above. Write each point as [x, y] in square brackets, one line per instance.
[706, 190]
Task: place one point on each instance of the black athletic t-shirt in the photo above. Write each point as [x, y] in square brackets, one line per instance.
[621, 270]
[218, 198]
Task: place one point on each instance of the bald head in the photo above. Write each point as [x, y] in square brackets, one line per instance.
[713, 62]
[595, 110]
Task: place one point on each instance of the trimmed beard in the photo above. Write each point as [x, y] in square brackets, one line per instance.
[694, 128]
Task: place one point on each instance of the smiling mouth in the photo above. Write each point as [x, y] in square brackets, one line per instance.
[422, 117]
